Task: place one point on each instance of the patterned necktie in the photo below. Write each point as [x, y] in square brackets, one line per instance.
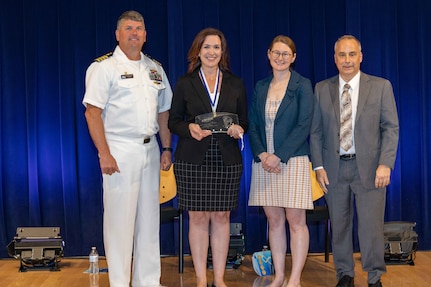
[346, 140]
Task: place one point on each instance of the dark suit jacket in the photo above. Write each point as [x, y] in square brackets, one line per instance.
[190, 100]
[376, 128]
[292, 123]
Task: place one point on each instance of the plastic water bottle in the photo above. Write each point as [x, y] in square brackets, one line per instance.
[94, 261]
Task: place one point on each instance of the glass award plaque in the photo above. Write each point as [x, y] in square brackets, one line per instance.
[217, 122]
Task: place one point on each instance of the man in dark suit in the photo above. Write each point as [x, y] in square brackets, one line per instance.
[353, 164]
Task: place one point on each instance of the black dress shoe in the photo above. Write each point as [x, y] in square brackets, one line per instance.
[377, 284]
[345, 281]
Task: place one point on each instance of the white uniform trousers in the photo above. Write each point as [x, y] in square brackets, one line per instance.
[131, 218]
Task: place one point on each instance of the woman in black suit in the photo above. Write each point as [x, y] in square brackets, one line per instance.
[208, 166]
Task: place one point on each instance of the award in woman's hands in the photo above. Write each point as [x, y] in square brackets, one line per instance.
[217, 122]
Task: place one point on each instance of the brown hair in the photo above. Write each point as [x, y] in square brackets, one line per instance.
[193, 55]
[285, 40]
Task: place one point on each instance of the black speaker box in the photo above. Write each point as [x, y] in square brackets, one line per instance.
[401, 242]
[236, 248]
[37, 248]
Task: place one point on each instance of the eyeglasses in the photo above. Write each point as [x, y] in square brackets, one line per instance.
[276, 54]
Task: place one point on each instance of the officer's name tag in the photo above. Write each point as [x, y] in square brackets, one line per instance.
[127, 76]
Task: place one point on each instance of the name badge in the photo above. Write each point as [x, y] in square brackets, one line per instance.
[127, 76]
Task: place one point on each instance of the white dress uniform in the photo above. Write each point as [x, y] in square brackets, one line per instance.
[131, 94]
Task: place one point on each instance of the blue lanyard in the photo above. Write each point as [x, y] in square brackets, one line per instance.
[213, 102]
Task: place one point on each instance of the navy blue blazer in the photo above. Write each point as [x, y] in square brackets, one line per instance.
[190, 100]
[292, 123]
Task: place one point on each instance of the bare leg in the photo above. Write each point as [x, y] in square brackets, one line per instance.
[299, 243]
[220, 235]
[198, 238]
[277, 240]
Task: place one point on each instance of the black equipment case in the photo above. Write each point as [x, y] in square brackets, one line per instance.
[401, 242]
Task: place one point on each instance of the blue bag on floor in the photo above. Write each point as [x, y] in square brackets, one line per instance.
[262, 263]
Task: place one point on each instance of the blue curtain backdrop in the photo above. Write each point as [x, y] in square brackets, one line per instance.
[49, 167]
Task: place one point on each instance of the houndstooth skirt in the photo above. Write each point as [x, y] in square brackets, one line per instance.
[290, 189]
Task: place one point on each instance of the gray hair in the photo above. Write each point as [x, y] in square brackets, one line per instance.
[348, 37]
[130, 15]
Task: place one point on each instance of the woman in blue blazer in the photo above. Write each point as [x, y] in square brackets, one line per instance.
[280, 120]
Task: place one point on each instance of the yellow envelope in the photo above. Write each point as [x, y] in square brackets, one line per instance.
[316, 190]
[168, 185]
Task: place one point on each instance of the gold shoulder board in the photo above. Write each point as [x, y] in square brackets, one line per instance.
[104, 57]
[154, 60]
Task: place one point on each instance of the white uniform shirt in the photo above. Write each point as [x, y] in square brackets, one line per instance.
[131, 94]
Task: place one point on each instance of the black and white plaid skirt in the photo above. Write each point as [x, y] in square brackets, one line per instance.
[211, 186]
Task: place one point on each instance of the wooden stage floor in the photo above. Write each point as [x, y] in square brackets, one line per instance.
[316, 273]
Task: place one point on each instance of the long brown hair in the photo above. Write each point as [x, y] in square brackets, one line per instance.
[193, 55]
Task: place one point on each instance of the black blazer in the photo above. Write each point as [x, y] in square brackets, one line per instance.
[191, 99]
